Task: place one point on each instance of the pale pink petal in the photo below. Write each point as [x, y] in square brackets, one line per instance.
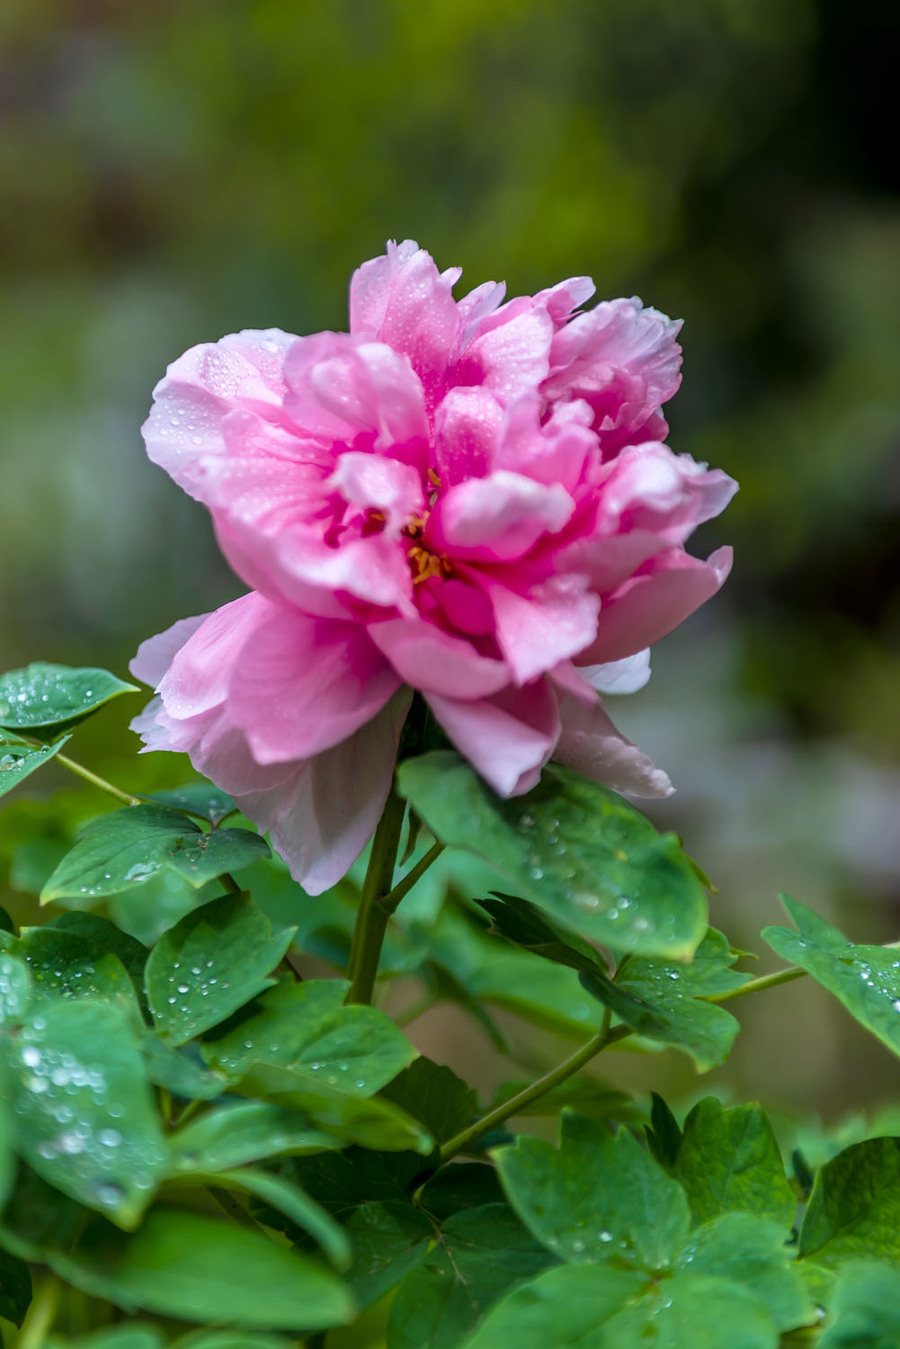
[556, 450]
[320, 821]
[507, 738]
[590, 744]
[435, 662]
[373, 569]
[154, 656]
[619, 676]
[554, 622]
[652, 604]
[303, 684]
[497, 518]
[509, 355]
[478, 304]
[561, 299]
[649, 487]
[198, 677]
[374, 482]
[468, 424]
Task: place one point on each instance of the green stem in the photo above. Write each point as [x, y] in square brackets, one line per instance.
[757, 985]
[516, 1104]
[41, 1314]
[96, 781]
[372, 917]
[390, 901]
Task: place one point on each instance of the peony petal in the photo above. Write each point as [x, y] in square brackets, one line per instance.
[374, 482]
[510, 353]
[303, 684]
[507, 738]
[554, 622]
[197, 679]
[590, 744]
[649, 487]
[320, 821]
[431, 660]
[652, 604]
[468, 425]
[619, 676]
[154, 656]
[499, 517]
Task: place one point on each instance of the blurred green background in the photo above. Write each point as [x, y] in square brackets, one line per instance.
[173, 171]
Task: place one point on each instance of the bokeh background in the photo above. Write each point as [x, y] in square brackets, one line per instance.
[173, 171]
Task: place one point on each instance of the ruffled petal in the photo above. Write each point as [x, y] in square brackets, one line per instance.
[556, 620]
[154, 655]
[497, 518]
[590, 743]
[507, 738]
[431, 660]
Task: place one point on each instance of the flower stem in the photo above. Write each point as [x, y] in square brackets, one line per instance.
[372, 917]
[602, 1040]
[96, 781]
[41, 1314]
[757, 985]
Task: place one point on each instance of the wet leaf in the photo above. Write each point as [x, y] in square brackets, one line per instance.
[729, 1161]
[388, 1240]
[854, 1209]
[18, 761]
[42, 696]
[66, 965]
[243, 1132]
[865, 1308]
[201, 799]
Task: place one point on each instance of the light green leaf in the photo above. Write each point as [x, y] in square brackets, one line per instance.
[231, 1339]
[127, 847]
[15, 986]
[66, 965]
[18, 761]
[596, 1197]
[865, 1308]
[307, 1028]
[576, 850]
[751, 1251]
[692, 1311]
[83, 1112]
[866, 979]
[388, 1239]
[854, 1209]
[249, 1131]
[482, 1253]
[42, 696]
[563, 1308]
[212, 962]
[184, 1265]
[134, 1335]
[372, 1123]
[663, 1000]
[729, 1161]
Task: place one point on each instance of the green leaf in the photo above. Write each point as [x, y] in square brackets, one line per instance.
[342, 1181]
[184, 1265]
[663, 1000]
[83, 1113]
[201, 799]
[231, 1339]
[15, 1288]
[590, 1096]
[180, 1072]
[388, 1240]
[279, 1193]
[211, 963]
[576, 850]
[460, 1186]
[128, 847]
[7, 1139]
[693, 1311]
[663, 1133]
[866, 979]
[243, 1132]
[596, 1197]
[729, 1161]
[134, 1335]
[854, 1209]
[42, 696]
[307, 1028]
[523, 924]
[132, 953]
[18, 761]
[482, 1253]
[66, 965]
[563, 1308]
[435, 1096]
[751, 1251]
[865, 1310]
[372, 1123]
[15, 987]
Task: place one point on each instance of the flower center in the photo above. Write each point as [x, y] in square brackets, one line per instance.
[423, 562]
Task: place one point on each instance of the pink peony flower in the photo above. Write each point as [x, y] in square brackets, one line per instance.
[462, 497]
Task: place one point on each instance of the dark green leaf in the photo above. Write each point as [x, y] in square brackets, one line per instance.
[693, 1311]
[388, 1240]
[462, 1185]
[564, 1308]
[15, 1288]
[372, 1123]
[127, 847]
[596, 1197]
[523, 924]
[482, 1253]
[180, 1072]
[201, 799]
[6, 923]
[243, 1132]
[83, 1112]
[66, 965]
[751, 1251]
[730, 1162]
[41, 696]
[307, 1028]
[865, 1310]
[663, 1133]
[18, 761]
[588, 1095]
[279, 1193]
[663, 1000]
[184, 1265]
[854, 1209]
[211, 963]
[866, 979]
[7, 1135]
[341, 1181]
[573, 848]
[15, 987]
[435, 1096]
[132, 953]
